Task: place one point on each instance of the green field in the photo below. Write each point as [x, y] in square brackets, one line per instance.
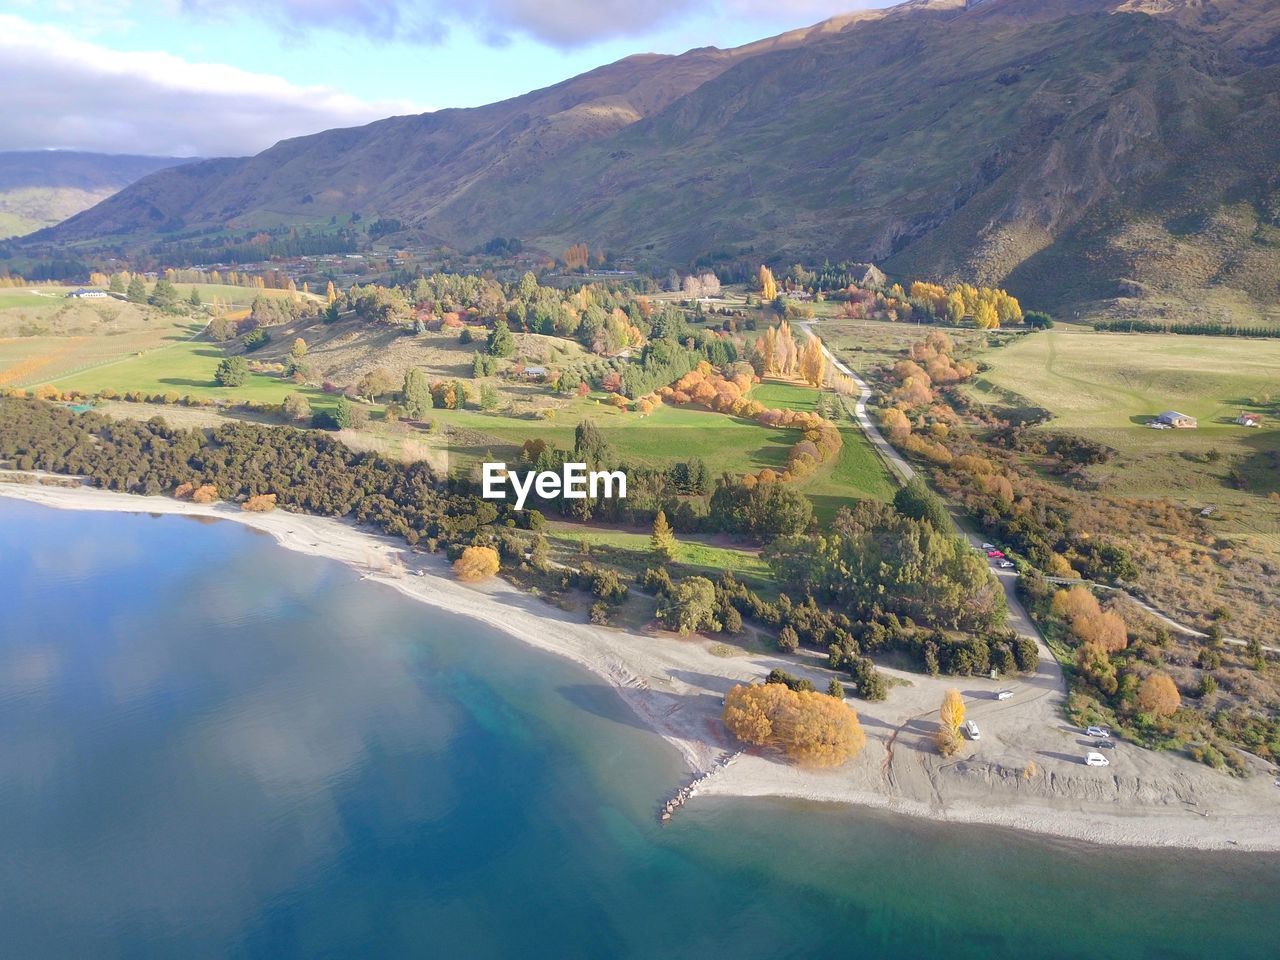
[788, 396]
[1106, 386]
[185, 368]
[694, 554]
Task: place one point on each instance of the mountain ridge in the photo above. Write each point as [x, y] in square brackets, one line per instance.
[998, 141]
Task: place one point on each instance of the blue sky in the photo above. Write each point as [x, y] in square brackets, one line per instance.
[226, 77]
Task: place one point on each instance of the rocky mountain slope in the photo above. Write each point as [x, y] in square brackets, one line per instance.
[1084, 149]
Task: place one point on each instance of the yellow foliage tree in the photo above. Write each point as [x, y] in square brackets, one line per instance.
[261, 503]
[1159, 695]
[811, 728]
[951, 714]
[205, 493]
[330, 294]
[813, 363]
[476, 564]
[768, 285]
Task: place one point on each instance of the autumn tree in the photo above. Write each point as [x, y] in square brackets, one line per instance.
[299, 349]
[378, 382]
[1158, 695]
[951, 714]
[768, 285]
[260, 503]
[205, 493]
[330, 294]
[476, 564]
[663, 541]
[813, 363]
[811, 728]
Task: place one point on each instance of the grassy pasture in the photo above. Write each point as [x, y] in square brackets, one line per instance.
[185, 368]
[1106, 387]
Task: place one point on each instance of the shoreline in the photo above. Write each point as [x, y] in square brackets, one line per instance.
[1025, 775]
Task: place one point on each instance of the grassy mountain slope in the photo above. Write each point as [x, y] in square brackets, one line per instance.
[1086, 150]
[39, 188]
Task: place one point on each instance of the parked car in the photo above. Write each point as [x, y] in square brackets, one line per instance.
[1006, 564]
[1104, 745]
[995, 554]
[988, 546]
[971, 730]
[1102, 733]
[1096, 760]
[1003, 694]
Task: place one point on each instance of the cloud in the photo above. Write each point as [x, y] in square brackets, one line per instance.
[61, 91]
[558, 23]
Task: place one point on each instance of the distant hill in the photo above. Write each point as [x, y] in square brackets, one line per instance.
[39, 188]
[1076, 150]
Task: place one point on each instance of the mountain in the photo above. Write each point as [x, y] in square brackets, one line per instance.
[39, 188]
[1077, 150]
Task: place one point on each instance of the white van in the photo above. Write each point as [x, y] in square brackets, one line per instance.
[971, 730]
[1096, 760]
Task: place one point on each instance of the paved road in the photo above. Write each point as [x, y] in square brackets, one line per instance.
[1049, 673]
[900, 466]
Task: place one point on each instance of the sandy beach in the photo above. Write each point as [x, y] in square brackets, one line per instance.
[1026, 772]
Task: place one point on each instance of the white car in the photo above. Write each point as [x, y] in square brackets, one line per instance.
[1003, 694]
[1102, 733]
[1006, 564]
[988, 546]
[971, 730]
[1096, 760]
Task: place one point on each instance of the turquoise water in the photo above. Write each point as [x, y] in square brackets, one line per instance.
[212, 747]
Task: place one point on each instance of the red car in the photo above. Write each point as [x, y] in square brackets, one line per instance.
[995, 554]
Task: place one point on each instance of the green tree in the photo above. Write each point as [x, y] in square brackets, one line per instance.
[194, 298]
[137, 292]
[835, 689]
[663, 541]
[500, 342]
[416, 393]
[917, 501]
[117, 283]
[488, 396]
[231, 372]
[163, 295]
[690, 607]
[349, 416]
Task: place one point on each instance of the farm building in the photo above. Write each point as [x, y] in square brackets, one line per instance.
[1171, 418]
[1249, 419]
[85, 293]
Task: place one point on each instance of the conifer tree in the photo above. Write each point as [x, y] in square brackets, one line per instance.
[663, 540]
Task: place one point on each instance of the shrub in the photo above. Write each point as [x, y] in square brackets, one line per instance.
[261, 503]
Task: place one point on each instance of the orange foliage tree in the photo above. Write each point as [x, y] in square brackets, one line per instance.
[476, 564]
[1159, 695]
[809, 727]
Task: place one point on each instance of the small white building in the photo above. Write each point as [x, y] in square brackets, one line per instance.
[87, 293]
[1249, 419]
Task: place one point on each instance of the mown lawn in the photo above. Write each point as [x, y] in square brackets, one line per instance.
[187, 369]
[786, 396]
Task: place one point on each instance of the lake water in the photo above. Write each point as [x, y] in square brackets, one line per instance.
[210, 747]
